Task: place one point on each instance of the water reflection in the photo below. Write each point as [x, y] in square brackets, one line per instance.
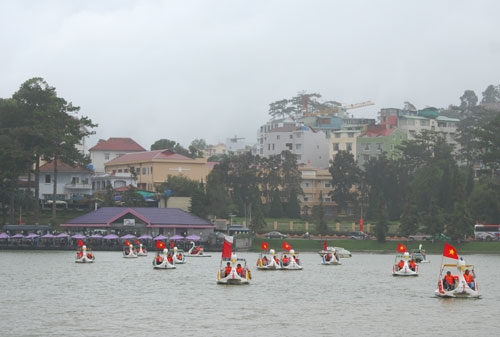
[46, 293]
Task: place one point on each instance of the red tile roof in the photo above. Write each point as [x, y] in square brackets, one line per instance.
[377, 130]
[62, 167]
[148, 156]
[117, 144]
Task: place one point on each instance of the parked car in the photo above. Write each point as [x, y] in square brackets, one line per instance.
[275, 235]
[358, 235]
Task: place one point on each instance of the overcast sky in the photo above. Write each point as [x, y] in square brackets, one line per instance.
[187, 69]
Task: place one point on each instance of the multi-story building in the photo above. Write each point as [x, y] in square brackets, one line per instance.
[73, 182]
[378, 140]
[316, 184]
[106, 150]
[310, 146]
[152, 168]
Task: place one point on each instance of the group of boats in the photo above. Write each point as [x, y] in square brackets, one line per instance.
[456, 279]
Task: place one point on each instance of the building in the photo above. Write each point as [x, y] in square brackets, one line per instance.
[74, 183]
[142, 220]
[308, 145]
[152, 168]
[106, 150]
[316, 184]
[378, 140]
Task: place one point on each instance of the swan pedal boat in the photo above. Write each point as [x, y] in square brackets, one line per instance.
[461, 289]
[405, 270]
[341, 252]
[233, 278]
[129, 252]
[419, 255]
[178, 255]
[84, 256]
[141, 251]
[290, 260]
[196, 251]
[329, 257]
[268, 261]
[164, 261]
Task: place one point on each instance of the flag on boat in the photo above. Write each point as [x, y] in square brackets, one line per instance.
[227, 248]
[80, 243]
[286, 246]
[127, 243]
[172, 243]
[160, 244]
[401, 248]
[137, 242]
[264, 245]
[450, 251]
[325, 245]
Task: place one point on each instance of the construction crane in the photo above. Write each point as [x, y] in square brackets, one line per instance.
[357, 105]
[235, 139]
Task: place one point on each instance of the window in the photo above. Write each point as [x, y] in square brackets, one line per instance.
[328, 185]
[367, 147]
[278, 137]
[75, 180]
[335, 146]
[350, 134]
[143, 171]
[106, 156]
[348, 147]
[298, 146]
[47, 178]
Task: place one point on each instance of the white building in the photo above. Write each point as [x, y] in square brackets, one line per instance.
[106, 150]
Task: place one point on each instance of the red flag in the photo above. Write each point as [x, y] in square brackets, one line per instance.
[450, 251]
[227, 248]
[401, 248]
[172, 243]
[264, 245]
[286, 246]
[137, 242]
[325, 246]
[127, 243]
[80, 243]
[160, 244]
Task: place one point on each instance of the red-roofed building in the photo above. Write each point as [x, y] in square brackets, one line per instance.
[153, 167]
[378, 140]
[106, 150]
[73, 183]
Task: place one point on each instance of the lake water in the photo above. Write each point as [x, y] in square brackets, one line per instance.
[45, 293]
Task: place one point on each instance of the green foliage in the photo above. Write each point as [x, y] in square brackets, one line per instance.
[345, 176]
[276, 209]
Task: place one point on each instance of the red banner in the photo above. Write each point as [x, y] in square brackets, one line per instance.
[401, 248]
[450, 251]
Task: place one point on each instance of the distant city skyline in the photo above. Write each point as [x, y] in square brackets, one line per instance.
[209, 69]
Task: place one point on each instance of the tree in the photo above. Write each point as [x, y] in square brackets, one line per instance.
[468, 100]
[55, 131]
[345, 176]
[276, 208]
[166, 144]
[318, 212]
[491, 94]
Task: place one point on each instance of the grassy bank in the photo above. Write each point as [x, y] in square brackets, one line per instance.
[303, 245]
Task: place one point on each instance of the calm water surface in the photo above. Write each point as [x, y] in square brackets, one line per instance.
[45, 293]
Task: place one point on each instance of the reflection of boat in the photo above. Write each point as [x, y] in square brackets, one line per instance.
[419, 255]
[457, 279]
[290, 260]
[84, 256]
[196, 251]
[164, 260]
[341, 252]
[179, 256]
[141, 251]
[129, 251]
[403, 265]
[268, 261]
[232, 270]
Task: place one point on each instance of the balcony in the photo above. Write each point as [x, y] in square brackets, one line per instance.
[78, 186]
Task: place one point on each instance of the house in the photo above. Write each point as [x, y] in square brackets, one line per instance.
[152, 168]
[73, 183]
[106, 150]
[316, 184]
